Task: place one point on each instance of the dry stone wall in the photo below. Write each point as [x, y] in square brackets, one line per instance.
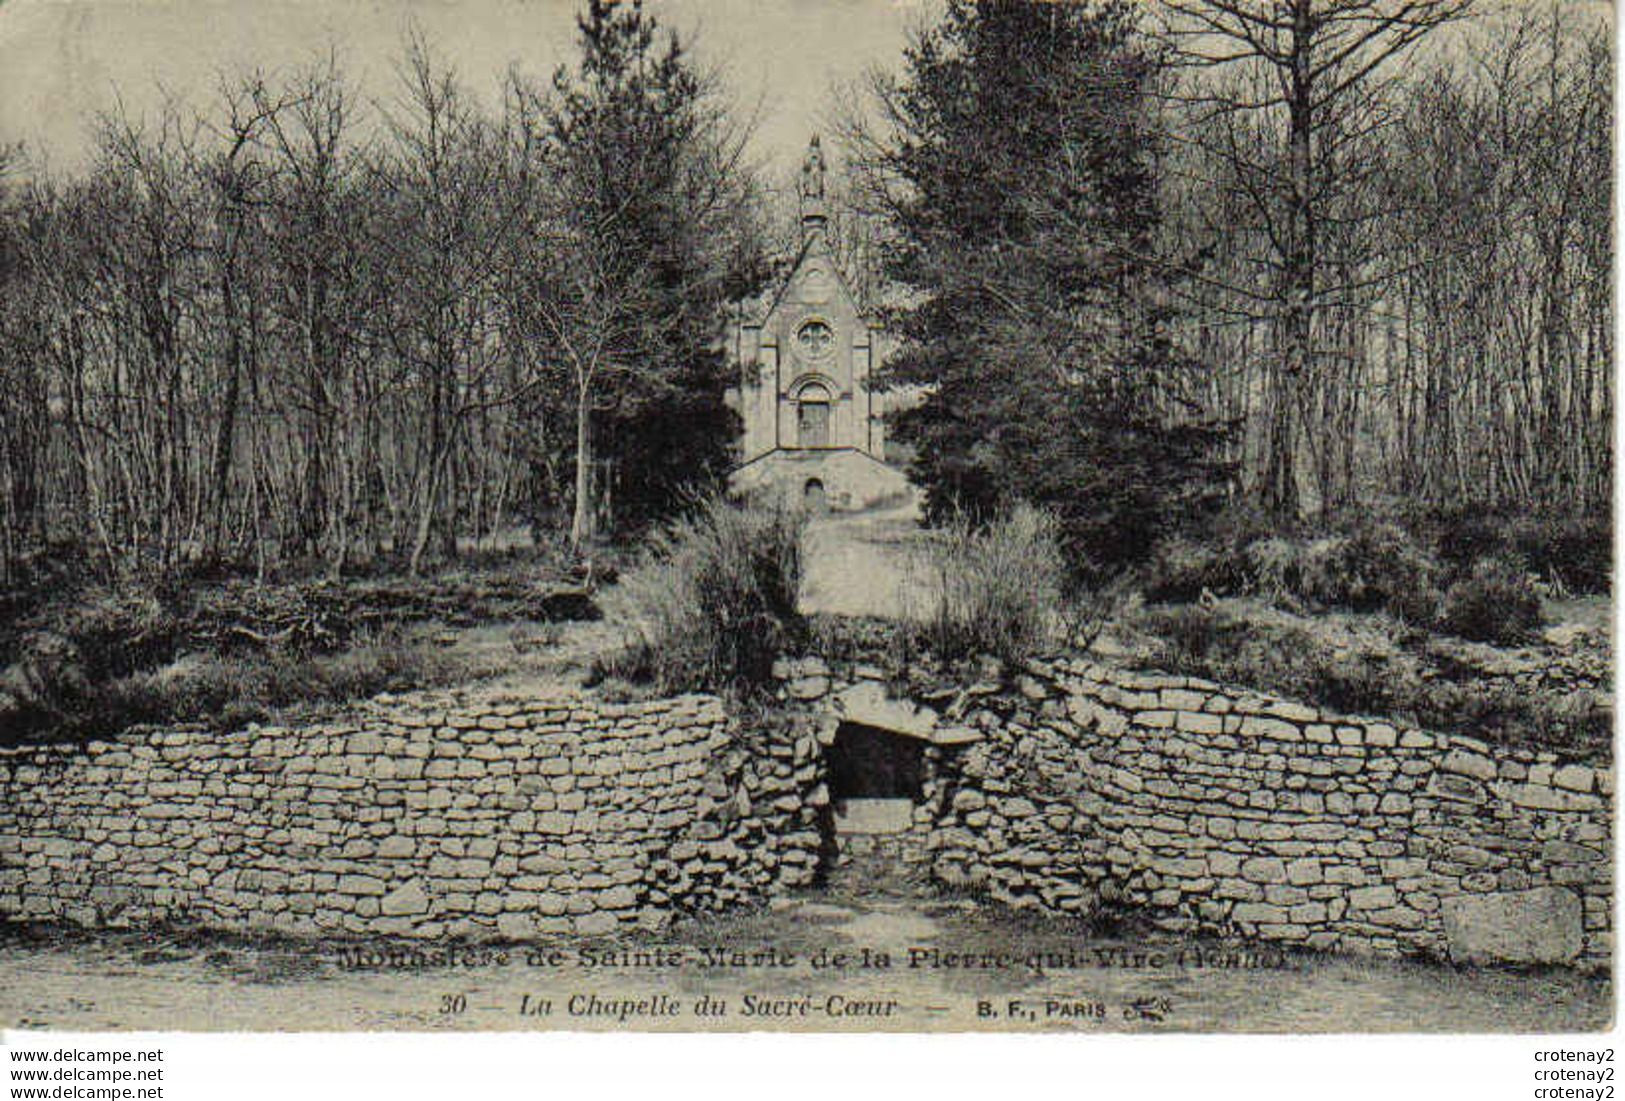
[423, 816]
[1073, 786]
[1230, 811]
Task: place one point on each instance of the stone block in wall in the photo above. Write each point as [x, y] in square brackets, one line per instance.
[808, 688]
[1576, 778]
[1255, 727]
[1264, 869]
[1372, 898]
[867, 703]
[1182, 699]
[1304, 871]
[1543, 925]
[1540, 797]
[1464, 763]
[1199, 723]
[1557, 851]
[1292, 712]
[1397, 917]
[1259, 913]
[1462, 789]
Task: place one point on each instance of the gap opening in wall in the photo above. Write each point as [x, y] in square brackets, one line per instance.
[875, 779]
[814, 497]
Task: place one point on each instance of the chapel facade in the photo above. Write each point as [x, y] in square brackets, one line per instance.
[813, 428]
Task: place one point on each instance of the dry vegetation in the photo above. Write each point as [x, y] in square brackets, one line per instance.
[79, 658]
[992, 588]
[1446, 628]
[714, 600]
[1552, 697]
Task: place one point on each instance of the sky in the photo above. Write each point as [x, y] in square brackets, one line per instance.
[62, 61]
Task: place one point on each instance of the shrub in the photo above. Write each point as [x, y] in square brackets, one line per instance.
[1187, 633]
[992, 589]
[227, 691]
[1498, 603]
[1371, 674]
[1573, 553]
[1289, 658]
[1180, 568]
[1372, 567]
[1377, 567]
[714, 600]
[1275, 566]
[116, 631]
[1331, 573]
[1466, 537]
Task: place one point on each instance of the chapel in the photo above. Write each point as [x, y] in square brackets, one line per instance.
[813, 429]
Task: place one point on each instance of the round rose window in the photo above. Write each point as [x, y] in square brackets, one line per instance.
[815, 340]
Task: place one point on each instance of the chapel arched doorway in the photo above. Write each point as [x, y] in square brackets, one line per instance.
[812, 416]
[814, 497]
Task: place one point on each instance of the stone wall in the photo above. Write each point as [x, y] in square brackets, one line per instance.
[424, 815]
[1073, 786]
[1230, 811]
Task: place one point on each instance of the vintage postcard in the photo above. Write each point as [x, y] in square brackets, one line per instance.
[875, 516]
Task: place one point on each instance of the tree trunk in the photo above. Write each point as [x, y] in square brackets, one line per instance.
[1280, 484]
[425, 524]
[581, 522]
[226, 435]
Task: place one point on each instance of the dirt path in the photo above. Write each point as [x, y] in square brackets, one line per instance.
[857, 564]
[830, 960]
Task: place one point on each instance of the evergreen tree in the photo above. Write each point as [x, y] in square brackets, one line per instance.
[1018, 170]
[651, 238]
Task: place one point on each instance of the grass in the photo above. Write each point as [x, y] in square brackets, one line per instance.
[86, 659]
[713, 601]
[1375, 664]
[993, 588]
[229, 691]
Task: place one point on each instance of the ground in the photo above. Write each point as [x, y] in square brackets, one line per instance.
[1096, 982]
[858, 564]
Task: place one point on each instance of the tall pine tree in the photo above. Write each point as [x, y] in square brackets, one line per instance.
[652, 234]
[1016, 163]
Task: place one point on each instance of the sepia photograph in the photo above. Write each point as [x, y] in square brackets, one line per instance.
[906, 516]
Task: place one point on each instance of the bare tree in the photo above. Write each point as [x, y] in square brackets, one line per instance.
[1500, 324]
[443, 236]
[236, 178]
[1281, 92]
[24, 400]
